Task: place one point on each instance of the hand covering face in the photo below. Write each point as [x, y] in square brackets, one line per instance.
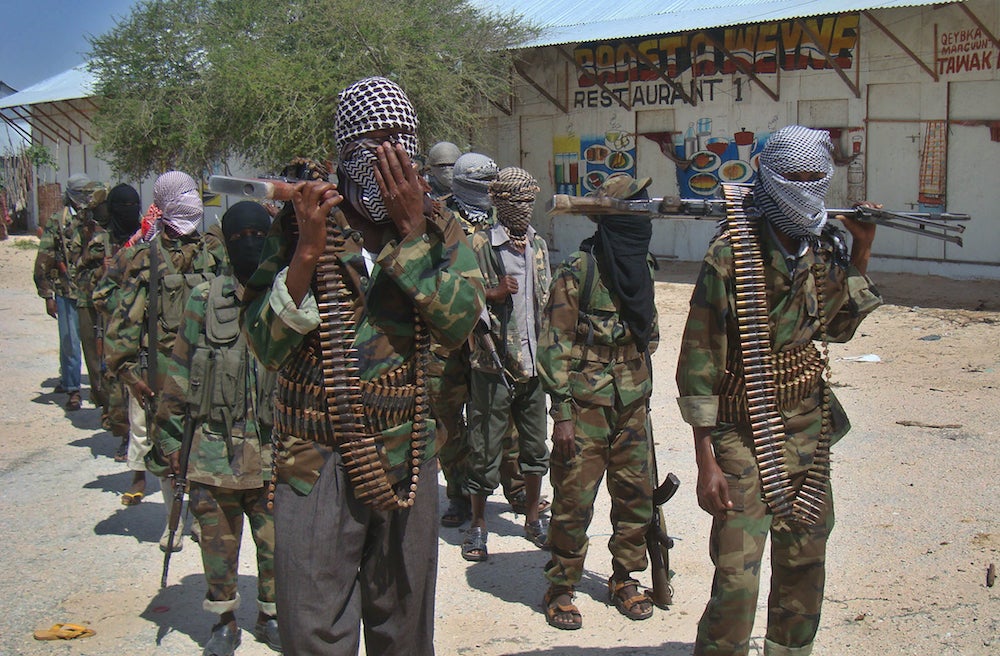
[370, 105]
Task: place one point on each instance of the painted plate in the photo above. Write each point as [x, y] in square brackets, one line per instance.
[705, 161]
[754, 161]
[703, 184]
[735, 170]
[594, 179]
[619, 160]
[596, 153]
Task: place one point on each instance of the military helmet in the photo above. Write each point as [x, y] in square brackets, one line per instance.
[443, 153]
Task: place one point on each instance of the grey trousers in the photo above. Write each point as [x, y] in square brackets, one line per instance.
[340, 565]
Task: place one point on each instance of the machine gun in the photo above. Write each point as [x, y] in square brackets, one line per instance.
[946, 226]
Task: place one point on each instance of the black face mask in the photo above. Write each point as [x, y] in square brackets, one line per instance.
[245, 226]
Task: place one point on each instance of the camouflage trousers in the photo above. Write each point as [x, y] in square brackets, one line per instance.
[220, 512]
[736, 546]
[612, 440]
[88, 318]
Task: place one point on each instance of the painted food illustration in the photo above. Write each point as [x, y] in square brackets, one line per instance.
[619, 160]
[703, 184]
[596, 153]
[594, 179]
[704, 161]
[735, 171]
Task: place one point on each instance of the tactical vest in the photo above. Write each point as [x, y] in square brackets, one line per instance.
[175, 288]
[218, 390]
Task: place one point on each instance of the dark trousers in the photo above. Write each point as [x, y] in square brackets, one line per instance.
[339, 564]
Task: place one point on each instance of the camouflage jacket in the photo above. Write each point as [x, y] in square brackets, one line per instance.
[55, 269]
[487, 244]
[590, 356]
[711, 329]
[213, 378]
[126, 330]
[435, 273]
[89, 245]
[105, 295]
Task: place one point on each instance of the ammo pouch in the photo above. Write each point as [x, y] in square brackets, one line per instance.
[218, 368]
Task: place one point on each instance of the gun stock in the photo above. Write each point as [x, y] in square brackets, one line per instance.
[260, 188]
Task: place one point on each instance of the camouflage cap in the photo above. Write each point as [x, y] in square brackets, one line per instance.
[621, 186]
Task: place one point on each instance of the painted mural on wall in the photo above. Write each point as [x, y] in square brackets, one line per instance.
[581, 163]
[630, 69]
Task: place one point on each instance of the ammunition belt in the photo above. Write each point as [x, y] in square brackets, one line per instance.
[321, 396]
[757, 369]
[797, 374]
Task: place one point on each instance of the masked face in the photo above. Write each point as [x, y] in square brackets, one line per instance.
[358, 162]
[245, 226]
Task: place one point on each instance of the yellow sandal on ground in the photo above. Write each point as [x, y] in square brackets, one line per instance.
[64, 632]
[132, 498]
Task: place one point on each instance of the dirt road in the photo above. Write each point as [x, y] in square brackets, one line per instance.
[915, 486]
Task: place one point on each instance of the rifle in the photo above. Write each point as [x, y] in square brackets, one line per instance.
[658, 543]
[485, 337]
[261, 188]
[945, 226]
[152, 349]
[179, 482]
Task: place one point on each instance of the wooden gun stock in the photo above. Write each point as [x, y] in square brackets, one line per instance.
[658, 544]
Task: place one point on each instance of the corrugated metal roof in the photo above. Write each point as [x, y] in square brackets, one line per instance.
[77, 82]
[580, 21]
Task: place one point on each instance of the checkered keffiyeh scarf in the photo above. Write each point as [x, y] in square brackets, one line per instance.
[796, 208]
[513, 195]
[470, 184]
[374, 103]
[176, 195]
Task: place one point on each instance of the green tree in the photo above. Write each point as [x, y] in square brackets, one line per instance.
[188, 83]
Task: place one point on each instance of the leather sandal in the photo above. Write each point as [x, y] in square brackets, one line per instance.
[631, 606]
[564, 616]
[519, 504]
[459, 511]
[535, 533]
[474, 546]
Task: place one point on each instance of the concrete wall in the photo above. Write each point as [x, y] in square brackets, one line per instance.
[919, 144]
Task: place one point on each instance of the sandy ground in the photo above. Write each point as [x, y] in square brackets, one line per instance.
[915, 485]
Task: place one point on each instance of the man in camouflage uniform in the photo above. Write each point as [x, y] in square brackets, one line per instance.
[515, 262]
[123, 209]
[55, 279]
[473, 209]
[88, 247]
[352, 288]
[214, 382]
[814, 291]
[594, 360]
[183, 258]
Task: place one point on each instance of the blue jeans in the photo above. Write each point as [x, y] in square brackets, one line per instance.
[69, 343]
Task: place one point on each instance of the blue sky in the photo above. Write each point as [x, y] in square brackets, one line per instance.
[42, 38]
